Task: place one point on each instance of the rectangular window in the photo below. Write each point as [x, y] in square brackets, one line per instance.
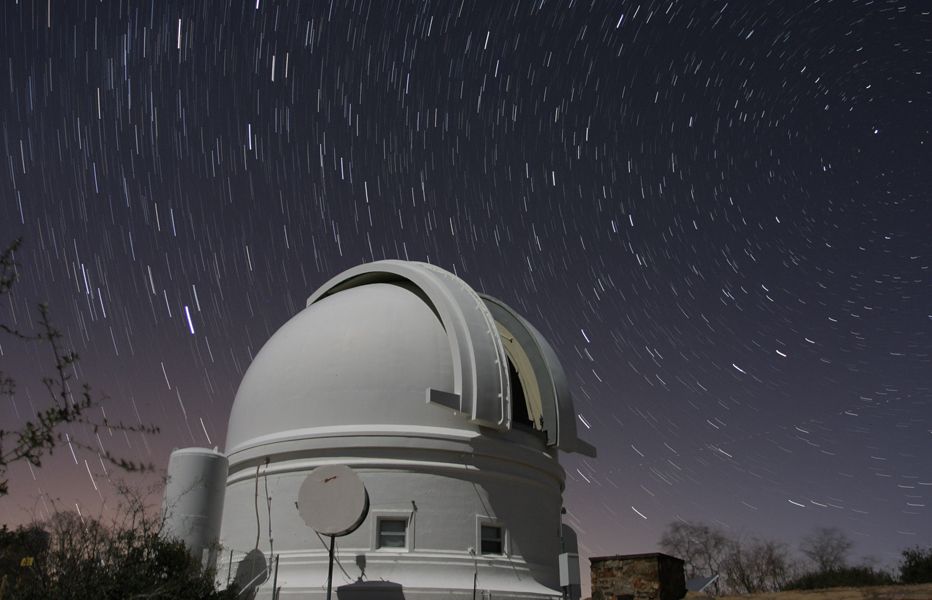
[492, 539]
[393, 533]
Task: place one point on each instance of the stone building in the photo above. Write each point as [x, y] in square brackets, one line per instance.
[653, 576]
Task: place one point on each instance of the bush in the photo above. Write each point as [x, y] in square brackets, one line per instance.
[20, 549]
[74, 557]
[844, 577]
[916, 566]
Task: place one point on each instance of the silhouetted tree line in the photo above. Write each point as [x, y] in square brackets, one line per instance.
[752, 564]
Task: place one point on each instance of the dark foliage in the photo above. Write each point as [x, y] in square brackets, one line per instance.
[844, 577]
[20, 549]
[74, 558]
[916, 566]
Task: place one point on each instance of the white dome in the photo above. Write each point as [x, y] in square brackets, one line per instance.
[362, 356]
[401, 344]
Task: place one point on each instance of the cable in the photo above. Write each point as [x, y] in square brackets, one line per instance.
[268, 504]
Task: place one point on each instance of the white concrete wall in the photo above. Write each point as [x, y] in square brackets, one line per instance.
[444, 487]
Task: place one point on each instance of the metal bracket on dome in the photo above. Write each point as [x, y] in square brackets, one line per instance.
[452, 401]
[481, 385]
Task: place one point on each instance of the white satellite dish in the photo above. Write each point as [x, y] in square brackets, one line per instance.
[333, 500]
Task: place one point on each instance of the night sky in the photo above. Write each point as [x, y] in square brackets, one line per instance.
[718, 212]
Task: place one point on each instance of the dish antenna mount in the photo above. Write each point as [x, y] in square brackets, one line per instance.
[333, 501]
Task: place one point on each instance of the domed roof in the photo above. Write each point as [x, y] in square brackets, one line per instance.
[397, 343]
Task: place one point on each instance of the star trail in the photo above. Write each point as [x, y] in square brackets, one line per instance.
[718, 212]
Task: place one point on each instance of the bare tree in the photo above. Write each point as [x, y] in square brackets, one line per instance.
[827, 547]
[41, 434]
[702, 548]
[756, 565]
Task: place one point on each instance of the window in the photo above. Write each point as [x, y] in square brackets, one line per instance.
[393, 533]
[392, 530]
[492, 541]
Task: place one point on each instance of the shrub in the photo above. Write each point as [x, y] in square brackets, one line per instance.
[844, 577]
[916, 566]
[75, 557]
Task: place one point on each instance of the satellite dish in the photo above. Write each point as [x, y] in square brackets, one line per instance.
[333, 500]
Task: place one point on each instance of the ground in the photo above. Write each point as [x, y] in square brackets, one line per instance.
[886, 592]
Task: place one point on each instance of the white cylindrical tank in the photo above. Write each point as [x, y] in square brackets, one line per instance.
[193, 502]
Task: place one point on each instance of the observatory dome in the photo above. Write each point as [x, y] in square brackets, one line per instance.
[396, 343]
[448, 405]
[365, 355]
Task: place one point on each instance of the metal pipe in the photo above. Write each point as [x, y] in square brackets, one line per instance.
[333, 539]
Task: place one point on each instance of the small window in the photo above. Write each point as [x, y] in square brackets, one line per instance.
[492, 539]
[393, 533]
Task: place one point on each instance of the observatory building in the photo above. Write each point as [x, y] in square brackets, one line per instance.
[449, 406]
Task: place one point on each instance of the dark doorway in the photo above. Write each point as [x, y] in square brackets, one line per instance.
[519, 412]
